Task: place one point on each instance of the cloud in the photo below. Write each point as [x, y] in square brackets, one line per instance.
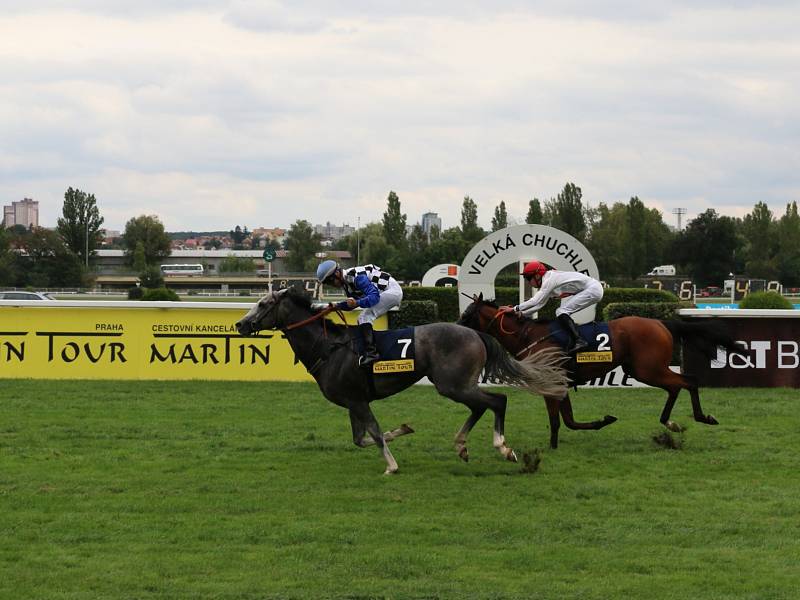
[268, 112]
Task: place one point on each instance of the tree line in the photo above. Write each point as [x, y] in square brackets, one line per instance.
[626, 240]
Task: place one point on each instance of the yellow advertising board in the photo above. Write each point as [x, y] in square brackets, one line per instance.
[141, 340]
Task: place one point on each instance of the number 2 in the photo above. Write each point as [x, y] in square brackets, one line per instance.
[602, 342]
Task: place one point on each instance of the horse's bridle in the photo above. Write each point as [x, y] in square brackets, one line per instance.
[522, 332]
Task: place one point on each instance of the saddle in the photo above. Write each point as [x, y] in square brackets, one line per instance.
[596, 333]
[396, 350]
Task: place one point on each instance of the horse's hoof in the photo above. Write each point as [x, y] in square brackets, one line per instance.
[608, 420]
[463, 454]
[405, 429]
[511, 456]
[389, 471]
[673, 426]
[710, 420]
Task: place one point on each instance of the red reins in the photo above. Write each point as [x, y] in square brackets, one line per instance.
[502, 314]
[325, 311]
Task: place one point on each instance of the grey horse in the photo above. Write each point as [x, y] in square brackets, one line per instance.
[451, 356]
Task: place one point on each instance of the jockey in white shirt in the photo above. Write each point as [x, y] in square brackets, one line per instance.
[576, 290]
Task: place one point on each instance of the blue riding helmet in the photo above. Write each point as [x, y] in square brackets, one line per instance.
[325, 269]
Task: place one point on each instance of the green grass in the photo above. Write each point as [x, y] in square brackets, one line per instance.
[248, 490]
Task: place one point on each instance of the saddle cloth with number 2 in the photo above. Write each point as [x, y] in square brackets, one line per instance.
[597, 334]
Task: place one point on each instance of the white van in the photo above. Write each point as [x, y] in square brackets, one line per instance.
[663, 270]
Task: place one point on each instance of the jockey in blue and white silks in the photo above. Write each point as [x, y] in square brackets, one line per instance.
[368, 288]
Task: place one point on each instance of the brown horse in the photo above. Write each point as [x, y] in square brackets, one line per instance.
[643, 347]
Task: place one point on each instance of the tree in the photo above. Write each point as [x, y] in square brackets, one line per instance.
[566, 212]
[500, 219]
[148, 230]
[759, 232]
[239, 235]
[607, 240]
[151, 277]
[789, 246]
[139, 259]
[46, 261]
[534, 216]
[636, 238]
[449, 247]
[237, 264]
[272, 244]
[394, 223]
[707, 247]
[470, 230]
[302, 243]
[80, 225]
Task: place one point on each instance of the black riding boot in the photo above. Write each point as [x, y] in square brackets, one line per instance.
[370, 353]
[578, 343]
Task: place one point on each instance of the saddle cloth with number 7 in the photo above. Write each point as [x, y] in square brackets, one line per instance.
[396, 347]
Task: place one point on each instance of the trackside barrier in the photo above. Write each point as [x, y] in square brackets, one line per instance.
[141, 340]
[771, 337]
[198, 340]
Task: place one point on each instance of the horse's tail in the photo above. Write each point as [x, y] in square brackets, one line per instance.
[541, 372]
[705, 336]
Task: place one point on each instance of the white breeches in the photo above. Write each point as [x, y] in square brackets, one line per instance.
[390, 298]
[572, 304]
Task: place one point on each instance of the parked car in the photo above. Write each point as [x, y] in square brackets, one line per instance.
[711, 291]
[22, 295]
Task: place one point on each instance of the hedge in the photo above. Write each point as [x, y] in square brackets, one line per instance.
[155, 294]
[414, 312]
[649, 310]
[446, 299]
[765, 300]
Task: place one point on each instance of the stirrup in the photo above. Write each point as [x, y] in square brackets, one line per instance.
[365, 361]
[579, 346]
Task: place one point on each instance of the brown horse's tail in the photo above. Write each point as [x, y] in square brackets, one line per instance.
[541, 372]
[705, 336]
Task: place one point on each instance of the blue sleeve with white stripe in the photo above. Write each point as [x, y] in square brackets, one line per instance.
[370, 291]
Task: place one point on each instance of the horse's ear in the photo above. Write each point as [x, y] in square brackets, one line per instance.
[480, 297]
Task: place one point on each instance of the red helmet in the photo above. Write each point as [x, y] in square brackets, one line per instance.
[534, 269]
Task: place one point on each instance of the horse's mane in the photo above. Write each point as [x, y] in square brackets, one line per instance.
[304, 300]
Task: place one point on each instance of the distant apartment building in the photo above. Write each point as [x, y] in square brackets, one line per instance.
[429, 221]
[25, 213]
[333, 232]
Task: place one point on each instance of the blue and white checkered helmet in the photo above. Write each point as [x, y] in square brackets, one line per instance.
[325, 269]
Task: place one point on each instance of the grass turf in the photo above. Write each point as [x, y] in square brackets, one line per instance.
[254, 490]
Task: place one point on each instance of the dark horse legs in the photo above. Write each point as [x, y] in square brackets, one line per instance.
[561, 408]
[361, 419]
[673, 386]
[360, 438]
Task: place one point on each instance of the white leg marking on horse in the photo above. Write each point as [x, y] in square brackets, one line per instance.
[500, 444]
[391, 463]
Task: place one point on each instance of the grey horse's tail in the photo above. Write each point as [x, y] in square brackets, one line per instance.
[541, 372]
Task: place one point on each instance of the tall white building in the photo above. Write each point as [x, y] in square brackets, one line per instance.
[430, 220]
[25, 213]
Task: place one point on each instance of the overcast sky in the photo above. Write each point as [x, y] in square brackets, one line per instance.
[211, 114]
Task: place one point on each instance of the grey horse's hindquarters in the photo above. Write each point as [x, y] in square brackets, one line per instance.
[445, 351]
